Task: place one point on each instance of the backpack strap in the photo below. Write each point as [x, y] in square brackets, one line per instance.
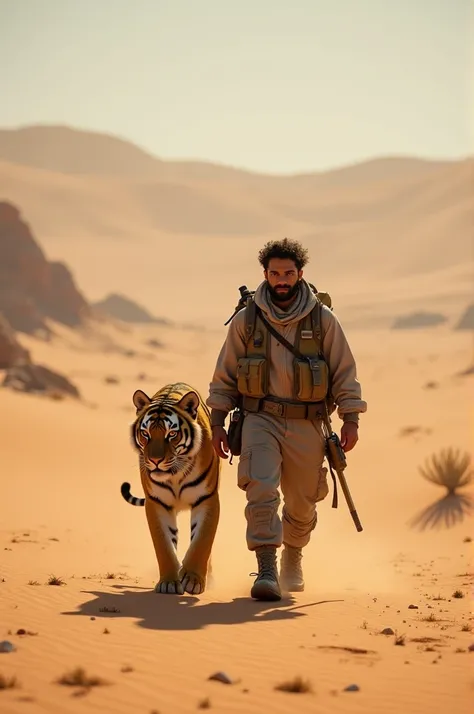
[250, 318]
[316, 325]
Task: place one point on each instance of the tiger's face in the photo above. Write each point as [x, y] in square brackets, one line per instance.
[167, 435]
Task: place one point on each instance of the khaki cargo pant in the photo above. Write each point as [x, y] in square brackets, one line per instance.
[287, 454]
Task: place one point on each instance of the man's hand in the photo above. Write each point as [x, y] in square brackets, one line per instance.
[219, 441]
[349, 435]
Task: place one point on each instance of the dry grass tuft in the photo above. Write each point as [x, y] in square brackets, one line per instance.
[54, 580]
[449, 469]
[79, 678]
[8, 682]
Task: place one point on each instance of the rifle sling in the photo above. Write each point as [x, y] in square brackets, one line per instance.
[280, 338]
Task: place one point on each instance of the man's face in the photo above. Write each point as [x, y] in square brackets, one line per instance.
[283, 279]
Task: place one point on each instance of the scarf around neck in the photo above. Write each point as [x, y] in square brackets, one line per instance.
[303, 304]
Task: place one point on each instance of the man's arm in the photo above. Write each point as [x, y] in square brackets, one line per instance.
[223, 392]
[346, 388]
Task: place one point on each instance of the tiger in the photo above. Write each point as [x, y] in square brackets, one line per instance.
[179, 470]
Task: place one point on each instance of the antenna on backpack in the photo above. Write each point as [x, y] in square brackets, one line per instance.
[245, 293]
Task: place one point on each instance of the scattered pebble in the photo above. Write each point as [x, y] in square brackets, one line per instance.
[413, 607]
[221, 677]
[6, 646]
[22, 632]
[352, 688]
[387, 631]
[471, 648]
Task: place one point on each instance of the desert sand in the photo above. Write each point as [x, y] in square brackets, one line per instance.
[63, 516]
[77, 569]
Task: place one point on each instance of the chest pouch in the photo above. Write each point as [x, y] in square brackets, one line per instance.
[252, 370]
[311, 373]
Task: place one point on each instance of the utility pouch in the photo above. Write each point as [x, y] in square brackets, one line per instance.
[252, 376]
[311, 379]
[234, 432]
[335, 453]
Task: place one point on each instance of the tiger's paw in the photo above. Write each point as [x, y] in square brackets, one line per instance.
[166, 586]
[192, 582]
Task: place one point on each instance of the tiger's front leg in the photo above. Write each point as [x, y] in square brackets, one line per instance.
[164, 534]
[204, 522]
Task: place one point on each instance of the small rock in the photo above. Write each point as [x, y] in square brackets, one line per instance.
[6, 646]
[471, 648]
[352, 688]
[221, 677]
[413, 607]
[387, 631]
[21, 631]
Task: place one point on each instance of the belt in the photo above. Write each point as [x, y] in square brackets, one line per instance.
[286, 410]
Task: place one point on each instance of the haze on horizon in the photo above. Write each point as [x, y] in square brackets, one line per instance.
[271, 87]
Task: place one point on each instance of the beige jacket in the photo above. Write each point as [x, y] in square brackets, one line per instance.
[346, 389]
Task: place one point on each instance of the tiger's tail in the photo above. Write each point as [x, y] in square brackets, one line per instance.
[126, 493]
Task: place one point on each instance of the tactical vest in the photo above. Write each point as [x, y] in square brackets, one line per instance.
[310, 374]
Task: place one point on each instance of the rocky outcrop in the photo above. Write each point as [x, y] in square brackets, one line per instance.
[11, 352]
[466, 321]
[31, 287]
[37, 379]
[122, 308]
[22, 375]
[418, 320]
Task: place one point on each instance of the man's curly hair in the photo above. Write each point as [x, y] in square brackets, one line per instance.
[286, 248]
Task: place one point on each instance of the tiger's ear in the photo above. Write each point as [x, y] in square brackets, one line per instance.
[140, 400]
[189, 403]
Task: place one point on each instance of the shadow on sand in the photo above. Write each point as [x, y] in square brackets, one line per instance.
[184, 612]
[444, 513]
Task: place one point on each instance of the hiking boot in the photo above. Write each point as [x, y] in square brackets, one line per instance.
[266, 585]
[291, 572]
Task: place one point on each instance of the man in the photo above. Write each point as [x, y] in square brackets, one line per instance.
[282, 439]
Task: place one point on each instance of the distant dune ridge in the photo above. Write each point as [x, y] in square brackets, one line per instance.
[417, 320]
[386, 236]
[122, 308]
[466, 321]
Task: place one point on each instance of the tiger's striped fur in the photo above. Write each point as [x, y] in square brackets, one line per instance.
[179, 470]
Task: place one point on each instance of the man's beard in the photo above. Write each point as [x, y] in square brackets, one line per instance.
[290, 291]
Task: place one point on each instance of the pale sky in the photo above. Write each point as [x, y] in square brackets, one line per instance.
[268, 85]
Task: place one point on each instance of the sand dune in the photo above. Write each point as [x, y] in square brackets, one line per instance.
[69, 150]
[387, 237]
[370, 228]
[62, 515]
